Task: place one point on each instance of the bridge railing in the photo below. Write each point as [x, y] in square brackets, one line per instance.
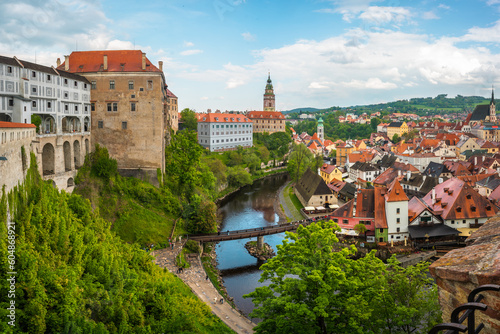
[473, 304]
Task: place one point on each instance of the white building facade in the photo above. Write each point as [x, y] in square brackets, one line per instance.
[219, 132]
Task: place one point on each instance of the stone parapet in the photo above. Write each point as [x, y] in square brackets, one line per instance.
[462, 270]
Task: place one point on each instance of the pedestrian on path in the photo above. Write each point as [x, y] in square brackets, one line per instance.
[215, 300]
[206, 278]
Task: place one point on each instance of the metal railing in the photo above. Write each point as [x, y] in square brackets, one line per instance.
[473, 303]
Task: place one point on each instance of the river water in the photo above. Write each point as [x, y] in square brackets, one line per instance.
[250, 207]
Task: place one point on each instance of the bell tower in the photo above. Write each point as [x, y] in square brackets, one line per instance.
[269, 103]
[493, 112]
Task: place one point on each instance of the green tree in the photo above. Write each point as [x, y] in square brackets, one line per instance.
[374, 122]
[360, 228]
[395, 138]
[238, 177]
[316, 288]
[37, 120]
[298, 161]
[189, 120]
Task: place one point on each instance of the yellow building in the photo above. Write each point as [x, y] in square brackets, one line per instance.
[343, 151]
[398, 128]
[330, 172]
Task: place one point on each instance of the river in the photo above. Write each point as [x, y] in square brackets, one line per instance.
[250, 207]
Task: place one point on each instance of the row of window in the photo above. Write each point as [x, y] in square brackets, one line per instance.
[100, 125]
[229, 126]
[228, 140]
[112, 85]
[12, 137]
[34, 104]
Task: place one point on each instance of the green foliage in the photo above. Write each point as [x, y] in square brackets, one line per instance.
[277, 143]
[300, 159]
[101, 164]
[238, 177]
[200, 215]
[192, 246]
[189, 120]
[76, 276]
[395, 138]
[360, 228]
[315, 289]
[374, 122]
[37, 121]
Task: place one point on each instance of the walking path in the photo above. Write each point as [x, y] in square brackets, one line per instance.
[290, 209]
[195, 278]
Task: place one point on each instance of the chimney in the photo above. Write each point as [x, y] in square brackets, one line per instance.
[319, 171]
[433, 196]
[475, 160]
[408, 175]
[143, 61]
[66, 63]
[105, 62]
[160, 65]
[399, 172]
[58, 62]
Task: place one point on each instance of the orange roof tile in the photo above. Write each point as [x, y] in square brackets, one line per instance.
[265, 114]
[395, 192]
[16, 125]
[222, 118]
[118, 61]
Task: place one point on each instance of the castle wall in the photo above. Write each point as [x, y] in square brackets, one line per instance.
[462, 270]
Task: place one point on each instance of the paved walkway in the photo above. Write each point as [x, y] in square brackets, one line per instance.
[194, 277]
[290, 210]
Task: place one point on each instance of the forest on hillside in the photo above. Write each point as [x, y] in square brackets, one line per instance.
[74, 275]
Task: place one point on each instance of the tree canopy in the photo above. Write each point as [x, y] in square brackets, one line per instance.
[316, 288]
[189, 120]
[299, 160]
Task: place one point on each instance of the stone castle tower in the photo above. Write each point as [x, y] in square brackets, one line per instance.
[269, 103]
[320, 130]
[493, 113]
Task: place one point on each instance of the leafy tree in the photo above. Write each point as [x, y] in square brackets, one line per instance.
[395, 138]
[102, 165]
[37, 120]
[189, 120]
[374, 122]
[360, 228]
[238, 177]
[315, 288]
[299, 160]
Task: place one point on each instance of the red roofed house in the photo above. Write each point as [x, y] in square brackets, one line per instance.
[129, 100]
[330, 173]
[396, 211]
[459, 205]
[223, 131]
[267, 121]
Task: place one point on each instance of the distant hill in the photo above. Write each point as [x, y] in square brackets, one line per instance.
[307, 110]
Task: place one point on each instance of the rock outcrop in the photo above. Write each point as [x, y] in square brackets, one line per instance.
[462, 270]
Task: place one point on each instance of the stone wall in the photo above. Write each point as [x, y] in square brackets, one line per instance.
[12, 169]
[463, 270]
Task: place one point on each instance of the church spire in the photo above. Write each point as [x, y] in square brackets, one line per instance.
[492, 96]
[269, 102]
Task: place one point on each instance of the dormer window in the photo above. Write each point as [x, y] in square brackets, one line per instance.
[469, 196]
[204, 118]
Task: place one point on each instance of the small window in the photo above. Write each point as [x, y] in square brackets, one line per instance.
[115, 106]
[33, 90]
[110, 106]
[11, 102]
[49, 77]
[100, 124]
[92, 106]
[398, 229]
[141, 89]
[345, 221]
[65, 95]
[65, 81]
[150, 84]
[398, 220]
[76, 108]
[397, 210]
[130, 84]
[85, 85]
[33, 104]
[33, 74]
[76, 83]
[93, 85]
[66, 107]
[124, 125]
[49, 104]
[132, 106]
[111, 84]
[9, 69]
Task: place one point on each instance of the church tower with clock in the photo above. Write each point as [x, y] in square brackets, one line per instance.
[269, 103]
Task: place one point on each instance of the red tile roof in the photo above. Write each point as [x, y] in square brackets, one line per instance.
[328, 169]
[118, 61]
[395, 193]
[222, 118]
[16, 125]
[265, 114]
[380, 218]
[170, 94]
[456, 200]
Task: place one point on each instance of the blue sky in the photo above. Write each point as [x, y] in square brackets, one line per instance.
[320, 53]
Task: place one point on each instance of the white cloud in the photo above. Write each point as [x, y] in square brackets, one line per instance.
[248, 37]
[430, 15]
[478, 34]
[443, 6]
[188, 44]
[348, 8]
[371, 83]
[191, 52]
[319, 85]
[383, 15]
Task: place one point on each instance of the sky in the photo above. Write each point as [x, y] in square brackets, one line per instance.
[320, 53]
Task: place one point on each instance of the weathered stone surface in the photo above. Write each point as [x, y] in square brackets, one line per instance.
[463, 270]
[262, 255]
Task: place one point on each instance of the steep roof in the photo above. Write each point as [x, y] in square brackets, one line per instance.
[395, 125]
[435, 169]
[415, 208]
[170, 94]
[311, 184]
[395, 192]
[379, 200]
[118, 61]
[480, 112]
[328, 169]
[456, 200]
[387, 161]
